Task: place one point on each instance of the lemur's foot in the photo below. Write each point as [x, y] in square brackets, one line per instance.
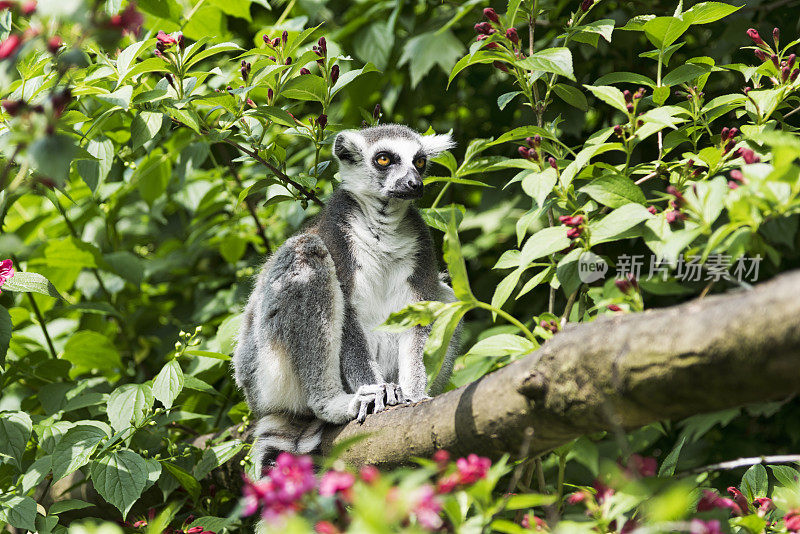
[375, 398]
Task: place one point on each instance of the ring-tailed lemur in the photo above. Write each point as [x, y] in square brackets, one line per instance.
[308, 352]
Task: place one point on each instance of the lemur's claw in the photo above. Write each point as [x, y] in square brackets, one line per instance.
[377, 397]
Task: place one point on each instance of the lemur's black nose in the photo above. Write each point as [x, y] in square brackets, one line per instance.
[414, 184]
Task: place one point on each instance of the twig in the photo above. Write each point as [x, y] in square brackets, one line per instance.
[43, 325]
[643, 180]
[746, 462]
[568, 307]
[795, 110]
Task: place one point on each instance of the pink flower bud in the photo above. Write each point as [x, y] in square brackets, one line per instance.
[785, 72]
[53, 44]
[322, 121]
[288, 61]
[627, 95]
[369, 474]
[512, 35]
[760, 55]
[576, 498]
[442, 458]
[752, 33]
[618, 130]
[776, 36]
[165, 39]
[267, 40]
[304, 71]
[284, 36]
[750, 156]
[483, 28]
[790, 60]
[28, 8]
[614, 307]
[500, 65]
[652, 209]
[574, 233]
[794, 74]
[792, 521]
[323, 46]
[736, 176]
[491, 14]
[270, 94]
[251, 103]
[9, 46]
[552, 161]
[724, 133]
[524, 152]
[376, 113]
[739, 499]
[774, 59]
[13, 107]
[764, 504]
[586, 4]
[334, 73]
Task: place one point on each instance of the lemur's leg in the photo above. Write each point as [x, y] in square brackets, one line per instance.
[412, 376]
[276, 433]
[361, 373]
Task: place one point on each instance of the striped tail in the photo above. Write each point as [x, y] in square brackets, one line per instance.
[276, 433]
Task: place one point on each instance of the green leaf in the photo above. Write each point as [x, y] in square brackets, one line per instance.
[420, 313]
[625, 77]
[67, 506]
[88, 350]
[538, 185]
[309, 87]
[350, 76]
[660, 94]
[505, 98]
[501, 345]
[669, 464]
[152, 176]
[455, 261]
[788, 477]
[617, 224]
[15, 431]
[755, 482]
[554, 60]
[706, 12]
[524, 501]
[506, 286]
[425, 50]
[543, 243]
[610, 95]
[75, 448]
[216, 456]
[51, 156]
[212, 50]
[18, 511]
[126, 57]
[663, 31]
[144, 127]
[120, 478]
[614, 190]
[36, 473]
[128, 405]
[469, 60]
[208, 354]
[535, 280]
[189, 483]
[168, 384]
[94, 171]
[571, 95]
[439, 339]
[119, 98]
[685, 73]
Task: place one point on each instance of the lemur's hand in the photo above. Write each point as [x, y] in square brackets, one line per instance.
[375, 398]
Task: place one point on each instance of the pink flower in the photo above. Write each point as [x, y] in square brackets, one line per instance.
[448, 483]
[6, 272]
[603, 491]
[293, 476]
[28, 8]
[129, 21]
[9, 46]
[645, 466]
[574, 221]
[325, 527]
[792, 521]
[491, 14]
[512, 35]
[711, 501]
[442, 458]
[483, 28]
[576, 498]
[698, 526]
[194, 530]
[652, 209]
[427, 508]
[472, 468]
[764, 504]
[527, 519]
[334, 482]
[369, 474]
[574, 233]
[739, 499]
[165, 38]
[752, 33]
[614, 307]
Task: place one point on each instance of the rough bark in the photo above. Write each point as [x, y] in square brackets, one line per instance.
[615, 373]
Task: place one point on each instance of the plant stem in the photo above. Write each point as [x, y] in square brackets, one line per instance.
[568, 307]
[440, 195]
[528, 334]
[42, 325]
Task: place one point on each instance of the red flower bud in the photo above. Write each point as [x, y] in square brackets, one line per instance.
[376, 113]
[618, 130]
[574, 233]
[334, 73]
[785, 71]
[323, 46]
[512, 35]
[483, 28]
[586, 4]
[739, 499]
[760, 55]
[736, 175]
[165, 39]
[552, 161]
[369, 474]
[53, 44]
[732, 185]
[774, 59]
[614, 307]
[491, 14]
[442, 458]
[794, 74]
[627, 95]
[13, 107]
[776, 36]
[6, 4]
[322, 120]
[304, 71]
[752, 33]
[524, 152]
[288, 61]
[652, 209]
[576, 498]
[750, 156]
[28, 8]
[270, 94]
[285, 36]
[9, 46]
[790, 60]
[267, 40]
[764, 504]
[500, 65]
[724, 133]
[792, 521]
[251, 103]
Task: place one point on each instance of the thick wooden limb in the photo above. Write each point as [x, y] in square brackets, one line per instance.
[615, 373]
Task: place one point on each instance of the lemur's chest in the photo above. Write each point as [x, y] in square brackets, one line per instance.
[384, 262]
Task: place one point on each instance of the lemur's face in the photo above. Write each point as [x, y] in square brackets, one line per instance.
[386, 161]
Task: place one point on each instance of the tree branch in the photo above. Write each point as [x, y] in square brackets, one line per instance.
[618, 372]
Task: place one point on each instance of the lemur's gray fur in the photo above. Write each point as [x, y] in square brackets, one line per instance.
[308, 352]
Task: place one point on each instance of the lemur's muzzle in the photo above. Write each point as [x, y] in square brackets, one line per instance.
[410, 186]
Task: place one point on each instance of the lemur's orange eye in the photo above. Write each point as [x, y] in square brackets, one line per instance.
[383, 160]
[419, 163]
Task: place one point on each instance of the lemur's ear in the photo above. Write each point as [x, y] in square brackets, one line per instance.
[349, 146]
[433, 145]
